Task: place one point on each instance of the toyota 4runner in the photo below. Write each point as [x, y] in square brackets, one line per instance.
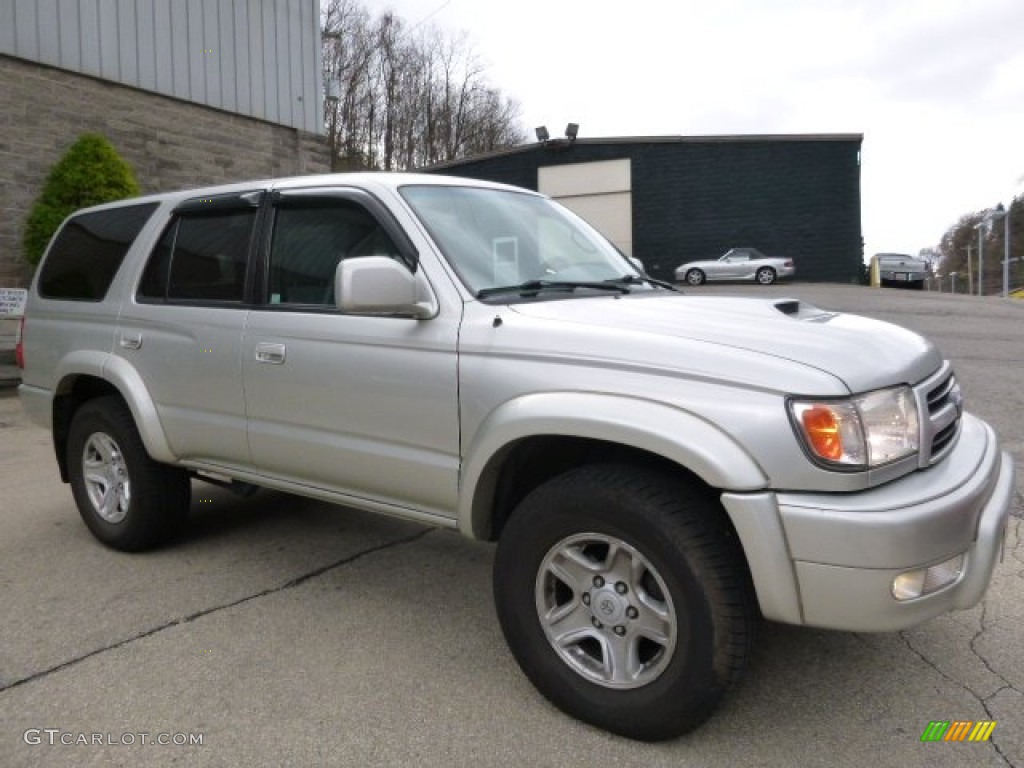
[657, 469]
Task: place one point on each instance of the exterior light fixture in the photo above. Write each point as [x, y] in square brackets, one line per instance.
[1002, 213]
[997, 213]
[981, 226]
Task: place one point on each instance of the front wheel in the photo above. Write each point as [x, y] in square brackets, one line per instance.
[624, 597]
[127, 500]
[765, 275]
[695, 277]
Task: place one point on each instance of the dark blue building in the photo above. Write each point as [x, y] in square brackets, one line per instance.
[668, 200]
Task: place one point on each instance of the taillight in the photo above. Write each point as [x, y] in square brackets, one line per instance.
[19, 347]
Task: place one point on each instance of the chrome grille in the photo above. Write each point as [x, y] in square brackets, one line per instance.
[940, 399]
[940, 395]
[943, 438]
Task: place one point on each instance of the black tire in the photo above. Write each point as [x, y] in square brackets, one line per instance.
[670, 531]
[127, 500]
[695, 277]
[765, 276]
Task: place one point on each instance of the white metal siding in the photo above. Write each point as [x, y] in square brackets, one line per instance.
[600, 192]
[256, 57]
[49, 34]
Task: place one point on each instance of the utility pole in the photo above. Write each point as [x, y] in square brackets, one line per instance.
[970, 273]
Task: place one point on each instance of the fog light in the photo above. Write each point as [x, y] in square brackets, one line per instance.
[924, 581]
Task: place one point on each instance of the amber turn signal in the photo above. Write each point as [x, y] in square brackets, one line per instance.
[822, 429]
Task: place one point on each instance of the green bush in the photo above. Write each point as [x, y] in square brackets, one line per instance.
[91, 172]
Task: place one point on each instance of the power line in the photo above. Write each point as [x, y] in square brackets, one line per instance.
[430, 15]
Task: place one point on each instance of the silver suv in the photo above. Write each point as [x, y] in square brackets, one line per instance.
[657, 469]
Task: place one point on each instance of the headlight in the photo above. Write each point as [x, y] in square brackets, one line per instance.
[860, 432]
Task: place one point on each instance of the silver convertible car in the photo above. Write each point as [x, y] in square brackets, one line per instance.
[737, 264]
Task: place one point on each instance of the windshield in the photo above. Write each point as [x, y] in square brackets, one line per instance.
[497, 238]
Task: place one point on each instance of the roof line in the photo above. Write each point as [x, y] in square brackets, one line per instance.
[562, 143]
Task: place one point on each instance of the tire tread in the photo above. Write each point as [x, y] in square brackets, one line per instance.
[688, 516]
[161, 494]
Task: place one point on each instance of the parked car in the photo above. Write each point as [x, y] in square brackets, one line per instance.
[656, 468]
[901, 270]
[737, 264]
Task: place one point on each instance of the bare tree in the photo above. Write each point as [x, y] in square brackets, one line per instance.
[402, 98]
[960, 244]
[347, 59]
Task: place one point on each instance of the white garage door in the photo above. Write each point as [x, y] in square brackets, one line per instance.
[600, 192]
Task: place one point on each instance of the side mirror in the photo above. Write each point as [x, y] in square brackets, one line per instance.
[378, 285]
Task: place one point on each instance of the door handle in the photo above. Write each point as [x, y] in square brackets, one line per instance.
[130, 342]
[270, 353]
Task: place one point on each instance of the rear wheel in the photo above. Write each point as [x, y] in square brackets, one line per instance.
[126, 499]
[625, 599]
[695, 277]
[765, 275]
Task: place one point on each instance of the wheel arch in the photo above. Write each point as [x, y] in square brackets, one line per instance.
[703, 276]
[530, 439]
[78, 384]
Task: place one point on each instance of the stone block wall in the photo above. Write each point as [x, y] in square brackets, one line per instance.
[171, 144]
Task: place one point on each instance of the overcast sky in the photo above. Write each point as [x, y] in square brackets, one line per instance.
[935, 86]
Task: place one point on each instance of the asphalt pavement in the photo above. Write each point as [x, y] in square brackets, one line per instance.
[283, 631]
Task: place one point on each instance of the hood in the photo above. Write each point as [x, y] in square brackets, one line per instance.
[863, 354]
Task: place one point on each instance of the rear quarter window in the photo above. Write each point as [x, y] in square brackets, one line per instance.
[88, 251]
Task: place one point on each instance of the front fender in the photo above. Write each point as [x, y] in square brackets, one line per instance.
[680, 436]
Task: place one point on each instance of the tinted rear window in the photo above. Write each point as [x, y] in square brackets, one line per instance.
[86, 255]
[201, 258]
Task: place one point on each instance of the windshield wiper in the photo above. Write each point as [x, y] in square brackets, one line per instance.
[637, 279]
[533, 287]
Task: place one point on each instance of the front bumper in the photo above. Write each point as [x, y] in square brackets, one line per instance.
[843, 551]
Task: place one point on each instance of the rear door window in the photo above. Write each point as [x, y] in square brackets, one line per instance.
[203, 254]
[88, 251]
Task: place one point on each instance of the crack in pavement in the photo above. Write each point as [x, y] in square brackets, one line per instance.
[291, 584]
[982, 701]
[983, 626]
[1015, 550]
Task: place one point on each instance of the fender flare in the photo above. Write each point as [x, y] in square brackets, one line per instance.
[656, 427]
[123, 377]
[129, 383]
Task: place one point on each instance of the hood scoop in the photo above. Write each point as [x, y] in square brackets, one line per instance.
[803, 311]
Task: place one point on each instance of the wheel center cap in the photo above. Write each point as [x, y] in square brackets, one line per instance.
[607, 605]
